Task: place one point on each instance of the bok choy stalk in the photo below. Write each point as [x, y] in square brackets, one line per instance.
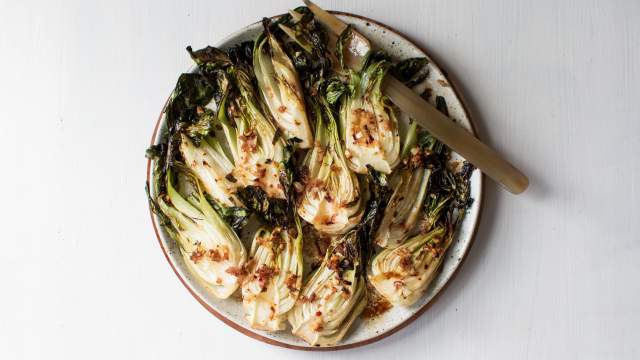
[209, 246]
[213, 167]
[280, 87]
[191, 121]
[401, 274]
[411, 181]
[331, 199]
[410, 189]
[368, 121]
[333, 297]
[274, 277]
[259, 151]
[254, 147]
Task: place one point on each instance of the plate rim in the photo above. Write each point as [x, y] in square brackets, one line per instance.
[398, 327]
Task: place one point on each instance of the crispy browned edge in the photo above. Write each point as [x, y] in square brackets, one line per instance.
[359, 343]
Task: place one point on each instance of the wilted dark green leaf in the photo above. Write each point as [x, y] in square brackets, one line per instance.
[276, 212]
[411, 71]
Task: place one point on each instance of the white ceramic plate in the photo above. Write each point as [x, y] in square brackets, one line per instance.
[364, 331]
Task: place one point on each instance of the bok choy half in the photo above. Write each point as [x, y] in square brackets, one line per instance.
[402, 273]
[274, 279]
[333, 297]
[410, 189]
[280, 87]
[331, 198]
[368, 120]
[209, 246]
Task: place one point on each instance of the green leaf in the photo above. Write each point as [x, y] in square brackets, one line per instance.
[411, 71]
[209, 58]
[237, 217]
[374, 211]
[276, 212]
[334, 91]
[202, 126]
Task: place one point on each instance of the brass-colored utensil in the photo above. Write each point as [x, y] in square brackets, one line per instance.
[427, 116]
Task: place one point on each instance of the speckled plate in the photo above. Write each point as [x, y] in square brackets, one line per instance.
[364, 331]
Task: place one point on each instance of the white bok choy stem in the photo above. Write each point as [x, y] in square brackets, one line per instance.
[212, 166]
[331, 200]
[404, 207]
[259, 151]
[369, 124]
[280, 87]
[245, 135]
[402, 274]
[333, 297]
[274, 278]
[209, 246]
[410, 190]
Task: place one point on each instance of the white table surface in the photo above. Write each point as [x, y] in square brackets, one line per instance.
[553, 273]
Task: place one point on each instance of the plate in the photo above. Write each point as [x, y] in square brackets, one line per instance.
[364, 331]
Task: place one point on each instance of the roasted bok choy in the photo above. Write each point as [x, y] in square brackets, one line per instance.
[280, 86]
[419, 160]
[209, 246]
[212, 166]
[403, 272]
[190, 122]
[410, 189]
[274, 279]
[333, 297]
[285, 144]
[331, 198]
[243, 135]
[368, 120]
